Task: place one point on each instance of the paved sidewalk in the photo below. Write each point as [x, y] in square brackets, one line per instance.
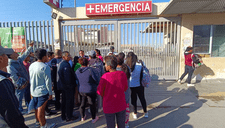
[170, 105]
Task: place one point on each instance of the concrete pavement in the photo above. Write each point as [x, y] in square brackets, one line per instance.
[170, 105]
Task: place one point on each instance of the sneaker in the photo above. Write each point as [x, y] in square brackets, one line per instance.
[100, 110]
[53, 125]
[83, 119]
[37, 124]
[49, 126]
[95, 120]
[47, 117]
[134, 116]
[190, 85]
[146, 115]
[179, 81]
[45, 126]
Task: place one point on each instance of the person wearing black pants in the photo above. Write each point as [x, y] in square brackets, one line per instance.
[112, 88]
[57, 98]
[54, 65]
[89, 98]
[120, 119]
[67, 104]
[88, 81]
[135, 83]
[188, 66]
[66, 81]
[140, 92]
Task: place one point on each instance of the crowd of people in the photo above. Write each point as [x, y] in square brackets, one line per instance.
[86, 80]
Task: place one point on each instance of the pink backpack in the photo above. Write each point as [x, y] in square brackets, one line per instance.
[145, 76]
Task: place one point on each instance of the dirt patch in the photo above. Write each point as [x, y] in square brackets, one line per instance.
[216, 97]
[217, 94]
[213, 98]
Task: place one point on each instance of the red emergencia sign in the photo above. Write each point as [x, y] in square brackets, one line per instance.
[119, 8]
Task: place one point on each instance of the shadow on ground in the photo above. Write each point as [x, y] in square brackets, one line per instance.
[168, 106]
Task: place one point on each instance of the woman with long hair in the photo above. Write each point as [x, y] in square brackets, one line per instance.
[121, 66]
[135, 84]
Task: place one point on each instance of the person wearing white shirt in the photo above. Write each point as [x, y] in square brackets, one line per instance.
[112, 51]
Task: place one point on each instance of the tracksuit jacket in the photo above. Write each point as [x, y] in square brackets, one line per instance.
[66, 79]
[9, 104]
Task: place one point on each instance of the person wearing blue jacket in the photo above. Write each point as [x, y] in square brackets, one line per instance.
[88, 81]
[19, 74]
[67, 83]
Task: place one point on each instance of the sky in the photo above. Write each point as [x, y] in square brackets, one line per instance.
[37, 10]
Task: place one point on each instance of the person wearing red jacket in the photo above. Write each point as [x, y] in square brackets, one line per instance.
[188, 66]
[112, 88]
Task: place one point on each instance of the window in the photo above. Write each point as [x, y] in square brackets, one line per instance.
[218, 45]
[209, 39]
[201, 39]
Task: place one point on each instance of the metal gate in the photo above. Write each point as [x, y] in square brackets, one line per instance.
[155, 41]
[88, 35]
[40, 32]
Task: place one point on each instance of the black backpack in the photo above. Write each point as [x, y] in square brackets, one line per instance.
[196, 60]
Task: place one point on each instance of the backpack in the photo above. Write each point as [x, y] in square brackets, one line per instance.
[98, 68]
[196, 60]
[145, 78]
[91, 70]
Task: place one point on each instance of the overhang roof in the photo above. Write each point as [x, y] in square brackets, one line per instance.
[194, 6]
